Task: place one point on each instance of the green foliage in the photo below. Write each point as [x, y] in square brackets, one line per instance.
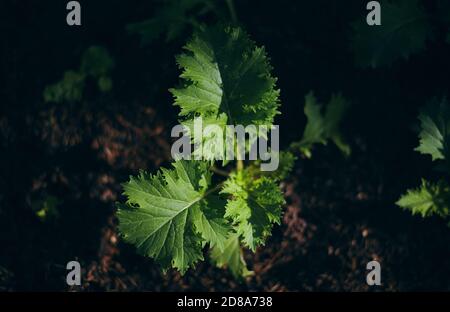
[173, 215]
[403, 31]
[171, 19]
[443, 8]
[95, 63]
[225, 73]
[254, 206]
[46, 208]
[285, 166]
[323, 127]
[169, 215]
[70, 88]
[432, 198]
[231, 257]
[227, 80]
[427, 200]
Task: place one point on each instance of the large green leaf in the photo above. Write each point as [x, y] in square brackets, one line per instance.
[315, 127]
[226, 80]
[168, 215]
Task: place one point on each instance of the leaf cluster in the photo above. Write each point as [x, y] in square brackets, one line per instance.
[173, 215]
[432, 198]
[96, 63]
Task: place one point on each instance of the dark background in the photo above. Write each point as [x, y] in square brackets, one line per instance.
[340, 212]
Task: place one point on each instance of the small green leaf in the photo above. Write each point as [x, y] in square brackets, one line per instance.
[97, 63]
[46, 208]
[315, 127]
[209, 221]
[427, 200]
[323, 127]
[232, 258]
[254, 207]
[168, 215]
[226, 81]
[435, 130]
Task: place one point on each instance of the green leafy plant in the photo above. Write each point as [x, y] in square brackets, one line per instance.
[403, 31]
[171, 216]
[95, 63]
[432, 198]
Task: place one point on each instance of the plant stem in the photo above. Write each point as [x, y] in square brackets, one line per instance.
[240, 165]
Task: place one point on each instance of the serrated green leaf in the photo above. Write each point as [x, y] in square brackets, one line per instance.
[403, 31]
[167, 215]
[227, 81]
[231, 257]
[254, 206]
[427, 200]
[435, 130]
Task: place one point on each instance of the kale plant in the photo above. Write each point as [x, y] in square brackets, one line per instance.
[174, 214]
